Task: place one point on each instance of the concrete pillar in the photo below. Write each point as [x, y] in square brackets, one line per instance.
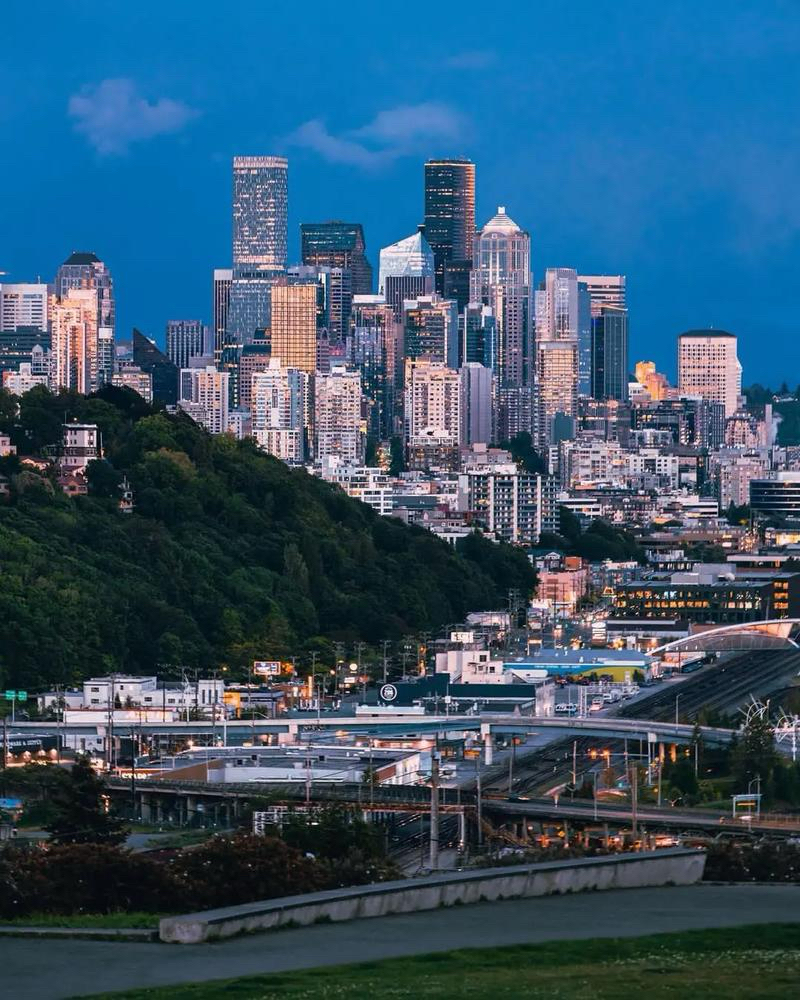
[462, 830]
[144, 807]
[488, 748]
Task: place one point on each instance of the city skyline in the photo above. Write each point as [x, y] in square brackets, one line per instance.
[636, 179]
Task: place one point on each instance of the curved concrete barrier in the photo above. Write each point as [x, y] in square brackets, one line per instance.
[673, 866]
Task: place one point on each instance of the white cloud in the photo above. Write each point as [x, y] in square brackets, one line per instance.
[471, 59]
[113, 114]
[392, 133]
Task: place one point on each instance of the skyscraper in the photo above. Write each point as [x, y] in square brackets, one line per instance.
[406, 272]
[86, 271]
[610, 354]
[502, 281]
[433, 418]
[153, 361]
[23, 305]
[557, 357]
[476, 404]
[605, 290]
[478, 332]
[75, 341]
[374, 349]
[186, 339]
[338, 245]
[430, 329]
[220, 306]
[708, 366]
[260, 239]
[450, 223]
[260, 207]
[294, 325]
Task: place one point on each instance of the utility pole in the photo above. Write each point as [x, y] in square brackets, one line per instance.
[511, 764]
[386, 643]
[634, 799]
[434, 852]
[479, 799]
[574, 765]
[133, 774]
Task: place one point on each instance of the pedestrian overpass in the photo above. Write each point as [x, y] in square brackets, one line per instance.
[772, 634]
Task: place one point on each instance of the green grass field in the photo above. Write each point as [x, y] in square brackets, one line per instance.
[753, 962]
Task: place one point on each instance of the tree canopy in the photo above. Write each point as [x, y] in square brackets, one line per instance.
[229, 555]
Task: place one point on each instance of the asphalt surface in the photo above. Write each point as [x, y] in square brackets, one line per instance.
[57, 969]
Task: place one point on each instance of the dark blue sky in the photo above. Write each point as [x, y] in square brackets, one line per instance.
[663, 142]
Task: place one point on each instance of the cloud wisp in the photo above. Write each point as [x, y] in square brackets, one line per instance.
[393, 133]
[113, 114]
[471, 59]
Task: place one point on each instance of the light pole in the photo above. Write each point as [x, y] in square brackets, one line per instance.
[677, 699]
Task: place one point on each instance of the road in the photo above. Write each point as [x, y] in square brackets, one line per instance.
[648, 816]
[56, 969]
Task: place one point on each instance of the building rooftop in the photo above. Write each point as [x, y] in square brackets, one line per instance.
[82, 257]
[501, 223]
[707, 333]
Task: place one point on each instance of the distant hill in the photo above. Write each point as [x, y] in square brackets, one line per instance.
[229, 555]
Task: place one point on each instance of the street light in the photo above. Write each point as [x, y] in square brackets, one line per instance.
[677, 698]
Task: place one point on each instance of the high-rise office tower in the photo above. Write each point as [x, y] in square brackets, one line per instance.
[86, 271]
[502, 281]
[557, 353]
[605, 290]
[338, 245]
[708, 366]
[24, 305]
[430, 329]
[477, 404]
[374, 348]
[294, 325]
[163, 372]
[281, 411]
[450, 224]
[335, 297]
[610, 354]
[433, 417]
[478, 332]
[338, 424]
[75, 341]
[221, 301]
[406, 271]
[254, 358]
[204, 396]
[186, 339]
[260, 240]
[260, 207]
[584, 340]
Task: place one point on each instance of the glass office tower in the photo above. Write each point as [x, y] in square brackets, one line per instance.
[338, 245]
[450, 223]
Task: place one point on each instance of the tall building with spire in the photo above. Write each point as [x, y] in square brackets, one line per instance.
[406, 272]
[450, 224]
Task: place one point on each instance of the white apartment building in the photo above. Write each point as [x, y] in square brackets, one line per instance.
[24, 305]
[130, 376]
[708, 366]
[339, 428]
[363, 482]
[81, 445]
[503, 500]
[584, 462]
[433, 403]
[76, 348]
[281, 411]
[207, 390]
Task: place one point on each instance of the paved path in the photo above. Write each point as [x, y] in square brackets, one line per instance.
[56, 969]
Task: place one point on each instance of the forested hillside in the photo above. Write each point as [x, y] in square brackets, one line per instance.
[228, 556]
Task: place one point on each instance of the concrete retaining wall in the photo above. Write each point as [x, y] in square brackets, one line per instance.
[674, 866]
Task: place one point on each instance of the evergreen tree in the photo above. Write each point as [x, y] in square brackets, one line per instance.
[79, 814]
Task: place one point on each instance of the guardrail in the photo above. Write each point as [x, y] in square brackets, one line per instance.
[672, 866]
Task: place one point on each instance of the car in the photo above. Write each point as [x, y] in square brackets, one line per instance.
[567, 708]
[596, 705]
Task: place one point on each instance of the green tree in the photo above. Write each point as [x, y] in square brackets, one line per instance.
[79, 813]
[524, 454]
[755, 755]
[397, 463]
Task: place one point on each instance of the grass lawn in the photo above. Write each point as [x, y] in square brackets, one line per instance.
[753, 962]
[126, 920]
